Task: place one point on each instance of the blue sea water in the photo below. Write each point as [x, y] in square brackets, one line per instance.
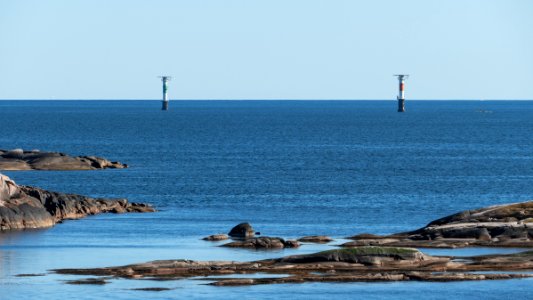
[291, 168]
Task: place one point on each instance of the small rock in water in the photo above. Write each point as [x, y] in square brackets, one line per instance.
[319, 239]
[291, 244]
[264, 243]
[216, 237]
[243, 231]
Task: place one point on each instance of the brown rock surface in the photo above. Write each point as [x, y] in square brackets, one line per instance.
[242, 231]
[19, 159]
[216, 237]
[319, 239]
[509, 225]
[24, 207]
[341, 265]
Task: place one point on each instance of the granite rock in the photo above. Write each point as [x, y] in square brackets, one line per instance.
[23, 207]
[509, 225]
[242, 231]
[18, 159]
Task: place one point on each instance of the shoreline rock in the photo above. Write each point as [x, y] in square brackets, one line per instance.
[23, 207]
[361, 264]
[370, 258]
[18, 160]
[508, 225]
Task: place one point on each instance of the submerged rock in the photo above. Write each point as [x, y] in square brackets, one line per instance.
[216, 237]
[30, 275]
[19, 159]
[319, 239]
[96, 281]
[152, 289]
[242, 231]
[24, 207]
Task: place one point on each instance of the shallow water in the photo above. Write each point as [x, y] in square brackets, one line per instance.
[291, 168]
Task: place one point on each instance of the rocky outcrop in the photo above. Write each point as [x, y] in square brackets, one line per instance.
[264, 243]
[242, 231]
[24, 207]
[243, 235]
[19, 159]
[509, 225]
[341, 265]
[318, 239]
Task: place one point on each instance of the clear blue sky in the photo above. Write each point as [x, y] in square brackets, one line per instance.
[271, 49]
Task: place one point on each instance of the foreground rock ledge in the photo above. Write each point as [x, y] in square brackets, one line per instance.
[509, 225]
[341, 265]
[18, 159]
[23, 207]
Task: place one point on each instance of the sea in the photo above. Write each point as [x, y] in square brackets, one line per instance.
[290, 168]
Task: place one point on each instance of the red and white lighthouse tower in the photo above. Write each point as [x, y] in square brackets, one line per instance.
[401, 91]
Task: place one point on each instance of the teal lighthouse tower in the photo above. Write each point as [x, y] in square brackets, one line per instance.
[165, 80]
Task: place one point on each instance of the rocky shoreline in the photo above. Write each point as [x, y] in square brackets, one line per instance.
[24, 207]
[367, 258]
[509, 225]
[18, 160]
[361, 264]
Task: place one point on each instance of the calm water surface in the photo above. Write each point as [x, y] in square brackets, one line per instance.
[291, 168]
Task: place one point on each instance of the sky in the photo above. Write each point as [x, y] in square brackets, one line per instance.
[271, 49]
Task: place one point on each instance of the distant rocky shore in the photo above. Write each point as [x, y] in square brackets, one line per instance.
[18, 159]
[23, 207]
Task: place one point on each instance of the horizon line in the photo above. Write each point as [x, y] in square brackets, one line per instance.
[260, 99]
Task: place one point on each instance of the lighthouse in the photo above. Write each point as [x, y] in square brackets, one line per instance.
[165, 80]
[401, 91]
